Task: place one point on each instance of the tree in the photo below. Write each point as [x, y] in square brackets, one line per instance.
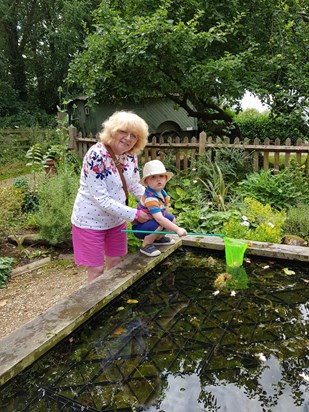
[203, 56]
[38, 39]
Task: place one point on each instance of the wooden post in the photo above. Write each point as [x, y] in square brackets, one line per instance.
[178, 163]
[287, 154]
[202, 144]
[185, 156]
[266, 155]
[298, 154]
[193, 140]
[72, 138]
[256, 155]
[276, 157]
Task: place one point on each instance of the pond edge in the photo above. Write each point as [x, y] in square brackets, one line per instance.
[25, 345]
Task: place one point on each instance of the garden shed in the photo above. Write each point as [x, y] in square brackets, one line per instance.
[161, 114]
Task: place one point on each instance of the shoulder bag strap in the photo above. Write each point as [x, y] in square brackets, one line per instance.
[118, 165]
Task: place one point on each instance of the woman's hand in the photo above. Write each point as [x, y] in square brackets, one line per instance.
[143, 217]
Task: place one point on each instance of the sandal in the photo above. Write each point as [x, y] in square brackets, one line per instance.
[150, 250]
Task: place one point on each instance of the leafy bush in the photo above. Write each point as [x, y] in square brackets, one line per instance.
[31, 200]
[5, 270]
[230, 161]
[26, 115]
[187, 202]
[216, 188]
[259, 222]
[262, 125]
[297, 221]
[56, 197]
[134, 244]
[35, 157]
[15, 147]
[281, 191]
[11, 200]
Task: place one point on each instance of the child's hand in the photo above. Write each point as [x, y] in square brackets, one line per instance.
[181, 232]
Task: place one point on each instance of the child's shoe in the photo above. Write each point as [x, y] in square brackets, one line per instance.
[164, 241]
[150, 250]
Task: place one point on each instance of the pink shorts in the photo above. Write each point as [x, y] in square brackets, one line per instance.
[90, 246]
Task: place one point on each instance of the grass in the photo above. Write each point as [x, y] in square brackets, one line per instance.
[14, 169]
[282, 158]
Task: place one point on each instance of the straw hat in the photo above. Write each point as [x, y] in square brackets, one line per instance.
[155, 167]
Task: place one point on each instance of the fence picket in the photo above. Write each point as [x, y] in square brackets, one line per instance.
[287, 154]
[185, 150]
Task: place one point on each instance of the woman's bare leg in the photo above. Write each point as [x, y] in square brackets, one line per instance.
[112, 261]
[94, 272]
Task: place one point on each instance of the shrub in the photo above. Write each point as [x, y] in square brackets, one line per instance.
[133, 242]
[5, 270]
[31, 200]
[281, 191]
[56, 197]
[259, 222]
[11, 200]
[297, 221]
[253, 125]
[216, 188]
[229, 160]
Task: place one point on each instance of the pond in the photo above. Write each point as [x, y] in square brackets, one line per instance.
[188, 337]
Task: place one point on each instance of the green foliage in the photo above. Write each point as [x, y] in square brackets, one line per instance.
[22, 183]
[11, 200]
[281, 190]
[230, 161]
[192, 208]
[207, 56]
[55, 149]
[14, 169]
[15, 146]
[35, 157]
[134, 244]
[25, 115]
[187, 202]
[297, 221]
[204, 220]
[31, 200]
[262, 125]
[5, 270]
[216, 188]
[31, 69]
[182, 190]
[259, 222]
[56, 197]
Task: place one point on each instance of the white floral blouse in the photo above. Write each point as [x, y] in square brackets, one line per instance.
[100, 201]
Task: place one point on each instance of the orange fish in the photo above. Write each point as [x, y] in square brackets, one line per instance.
[132, 301]
[119, 331]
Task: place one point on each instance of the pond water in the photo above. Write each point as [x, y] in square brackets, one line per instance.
[188, 337]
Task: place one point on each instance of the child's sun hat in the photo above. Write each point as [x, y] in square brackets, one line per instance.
[155, 167]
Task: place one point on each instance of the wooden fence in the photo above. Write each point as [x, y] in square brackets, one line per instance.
[15, 136]
[24, 138]
[185, 150]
